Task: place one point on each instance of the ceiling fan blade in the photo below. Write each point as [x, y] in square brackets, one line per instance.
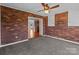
[40, 10]
[45, 6]
[54, 7]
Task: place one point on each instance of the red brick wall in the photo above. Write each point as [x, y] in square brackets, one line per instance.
[61, 19]
[69, 33]
[45, 24]
[14, 24]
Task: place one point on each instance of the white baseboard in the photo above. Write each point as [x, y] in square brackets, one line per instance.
[61, 39]
[14, 43]
[41, 35]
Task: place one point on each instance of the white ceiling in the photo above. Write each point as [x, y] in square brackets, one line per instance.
[34, 7]
[30, 7]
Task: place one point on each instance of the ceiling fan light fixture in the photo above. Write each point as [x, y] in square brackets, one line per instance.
[46, 11]
[47, 8]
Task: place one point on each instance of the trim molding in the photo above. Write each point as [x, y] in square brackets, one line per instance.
[61, 39]
[41, 35]
[14, 43]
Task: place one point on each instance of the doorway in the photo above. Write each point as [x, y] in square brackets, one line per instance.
[35, 27]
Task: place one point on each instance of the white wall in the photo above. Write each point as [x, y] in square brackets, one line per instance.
[73, 14]
[51, 21]
[73, 17]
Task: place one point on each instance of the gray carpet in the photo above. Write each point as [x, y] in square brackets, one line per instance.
[41, 46]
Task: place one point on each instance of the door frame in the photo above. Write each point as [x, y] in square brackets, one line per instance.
[40, 25]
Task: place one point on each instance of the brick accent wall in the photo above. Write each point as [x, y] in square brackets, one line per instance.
[69, 33]
[14, 24]
[45, 24]
[61, 19]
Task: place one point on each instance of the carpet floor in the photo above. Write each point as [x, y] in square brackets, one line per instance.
[41, 46]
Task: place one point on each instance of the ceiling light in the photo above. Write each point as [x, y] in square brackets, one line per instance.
[46, 11]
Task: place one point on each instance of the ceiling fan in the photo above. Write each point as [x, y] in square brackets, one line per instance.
[47, 8]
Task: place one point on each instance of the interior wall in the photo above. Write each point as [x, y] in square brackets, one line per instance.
[66, 32]
[14, 25]
[71, 32]
[51, 21]
[73, 17]
[73, 13]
